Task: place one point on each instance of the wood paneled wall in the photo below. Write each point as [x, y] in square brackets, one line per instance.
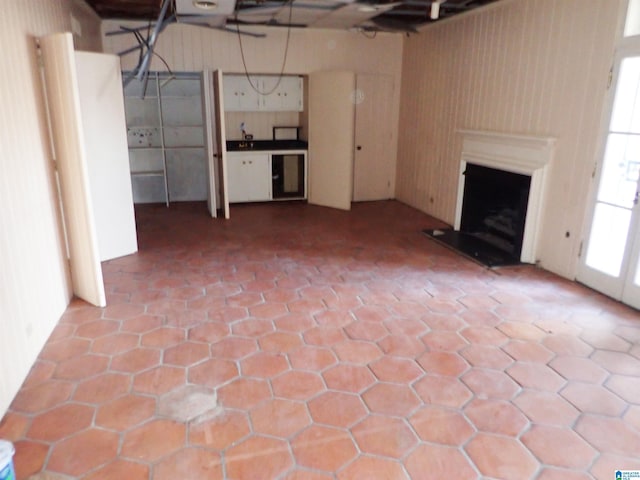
[536, 67]
[34, 284]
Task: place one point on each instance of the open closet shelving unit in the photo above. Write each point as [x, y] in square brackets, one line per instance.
[165, 132]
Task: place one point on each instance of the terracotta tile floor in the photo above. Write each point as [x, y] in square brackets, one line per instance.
[296, 342]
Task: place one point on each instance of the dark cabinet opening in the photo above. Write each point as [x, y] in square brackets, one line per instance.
[288, 175]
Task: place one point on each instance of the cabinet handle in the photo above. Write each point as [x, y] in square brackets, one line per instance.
[250, 162]
[244, 163]
[359, 147]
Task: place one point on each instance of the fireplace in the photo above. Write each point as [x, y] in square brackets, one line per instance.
[500, 197]
[494, 207]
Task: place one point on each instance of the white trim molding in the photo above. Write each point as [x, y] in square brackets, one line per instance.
[523, 154]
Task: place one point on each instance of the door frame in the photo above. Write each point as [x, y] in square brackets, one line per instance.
[615, 287]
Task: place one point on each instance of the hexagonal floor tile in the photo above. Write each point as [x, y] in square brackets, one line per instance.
[159, 380]
[163, 337]
[402, 346]
[83, 452]
[213, 373]
[387, 436]
[264, 364]
[490, 384]
[560, 447]
[135, 361]
[441, 425]
[593, 399]
[297, 385]
[189, 463]
[258, 457]
[187, 403]
[221, 431]
[625, 387]
[435, 462]
[578, 369]
[486, 356]
[233, 348]
[357, 352]
[501, 457]
[443, 363]
[546, 408]
[536, 376]
[391, 399]
[153, 440]
[244, 393]
[314, 359]
[323, 448]
[43, 396]
[60, 422]
[496, 416]
[372, 467]
[119, 469]
[337, 409]
[279, 417]
[396, 369]
[102, 388]
[125, 412]
[609, 435]
[445, 391]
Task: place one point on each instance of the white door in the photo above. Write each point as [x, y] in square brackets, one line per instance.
[61, 88]
[107, 155]
[611, 258]
[221, 135]
[331, 135]
[210, 143]
[374, 165]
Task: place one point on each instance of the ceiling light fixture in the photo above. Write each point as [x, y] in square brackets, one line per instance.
[435, 10]
[205, 4]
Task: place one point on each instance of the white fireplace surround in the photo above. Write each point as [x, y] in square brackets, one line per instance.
[524, 154]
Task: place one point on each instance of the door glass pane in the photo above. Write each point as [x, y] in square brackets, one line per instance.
[625, 116]
[620, 171]
[632, 25]
[608, 238]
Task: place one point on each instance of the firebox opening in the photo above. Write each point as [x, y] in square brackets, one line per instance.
[494, 207]
[494, 210]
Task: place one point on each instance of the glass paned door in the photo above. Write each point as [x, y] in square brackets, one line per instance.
[611, 263]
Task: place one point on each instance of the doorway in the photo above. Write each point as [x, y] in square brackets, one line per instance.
[610, 261]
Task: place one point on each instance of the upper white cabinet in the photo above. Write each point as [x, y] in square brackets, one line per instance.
[240, 96]
[286, 96]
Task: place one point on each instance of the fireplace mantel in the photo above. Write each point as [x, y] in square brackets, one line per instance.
[523, 154]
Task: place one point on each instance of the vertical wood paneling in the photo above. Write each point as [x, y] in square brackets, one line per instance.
[534, 67]
[34, 284]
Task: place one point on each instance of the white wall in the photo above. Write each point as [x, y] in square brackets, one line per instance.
[536, 67]
[34, 284]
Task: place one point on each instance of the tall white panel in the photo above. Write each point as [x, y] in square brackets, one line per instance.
[61, 85]
[105, 142]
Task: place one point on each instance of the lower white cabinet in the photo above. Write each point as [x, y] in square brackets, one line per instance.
[249, 176]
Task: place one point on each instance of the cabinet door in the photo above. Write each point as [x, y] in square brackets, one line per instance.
[259, 177]
[239, 95]
[249, 177]
[238, 190]
[287, 97]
